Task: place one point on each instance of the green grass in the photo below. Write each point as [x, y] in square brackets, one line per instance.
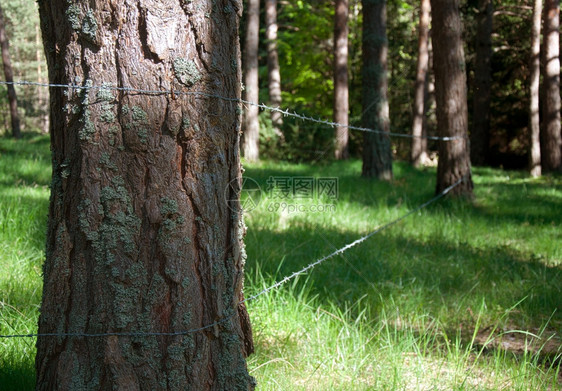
[426, 304]
[24, 194]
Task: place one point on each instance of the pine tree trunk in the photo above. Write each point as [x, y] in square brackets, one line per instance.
[251, 126]
[9, 75]
[274, 74]
[534, 70]
[480, 134]
[450, 95]
[551, 137]
[42, 93]
[140, 235]
[418, 155]
[377, 155]
[341, 79]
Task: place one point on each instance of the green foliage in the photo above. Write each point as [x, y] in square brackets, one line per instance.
[305, 55]
[28, 62]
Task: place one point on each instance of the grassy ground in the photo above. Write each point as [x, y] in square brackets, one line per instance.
[462, 296]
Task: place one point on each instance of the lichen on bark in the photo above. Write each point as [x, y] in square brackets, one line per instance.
[139, 238]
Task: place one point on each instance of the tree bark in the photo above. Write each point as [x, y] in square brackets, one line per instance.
[274, 74]
[140, 236]
[9, 75]
[418, 154]
[42, 93]
[251, 83]
[480, 134]
[450, 95]
[341, 79]
[377, 155]
[534, 97]
[551, 138]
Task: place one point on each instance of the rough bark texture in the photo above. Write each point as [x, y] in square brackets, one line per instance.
[480, 133]
[273, 71]
[551, 137]
[534, 81]
[377, 155]
[341, 79]
[418, 154]
[140, 236]
[251, 126]
[9, 75]
[450, 95]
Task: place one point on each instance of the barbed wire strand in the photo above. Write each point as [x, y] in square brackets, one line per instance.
[284, 112]
[255, 296]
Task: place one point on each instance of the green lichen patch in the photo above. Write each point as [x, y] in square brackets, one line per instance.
[104, 93]
[105, 160]
[169, 206]
[106, 96]
[89, 26]
[124, 304]
[143, 135]
[139, 115]
[87, 129]
[186, 71]
[107, 114]
[73, 16]
[113, 130]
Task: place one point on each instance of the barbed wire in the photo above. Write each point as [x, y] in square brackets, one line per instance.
[255, 296]
[284, 112]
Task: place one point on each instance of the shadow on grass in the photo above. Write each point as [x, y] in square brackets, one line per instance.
[432, 273]
[18, 375]
[450, 280]
[25, 162]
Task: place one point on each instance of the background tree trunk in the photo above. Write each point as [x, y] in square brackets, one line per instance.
[9, 75]
[450, 95]
[140, 236]
[42, 93]
[251, 126]
[274, 74]
[551, 138]
[418, 154]
[341, 79]
[480, 134]
[534, 70]
[377, 155]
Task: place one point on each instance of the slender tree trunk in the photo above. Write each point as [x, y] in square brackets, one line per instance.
[341, 79]
[140, 235]
[450, 95]
[534, 116]
[251, 126]
[42, 93]
[480, 134]
[418, 153]
[377, 155]
[551, 138]
[274, 74]
[9, 75]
